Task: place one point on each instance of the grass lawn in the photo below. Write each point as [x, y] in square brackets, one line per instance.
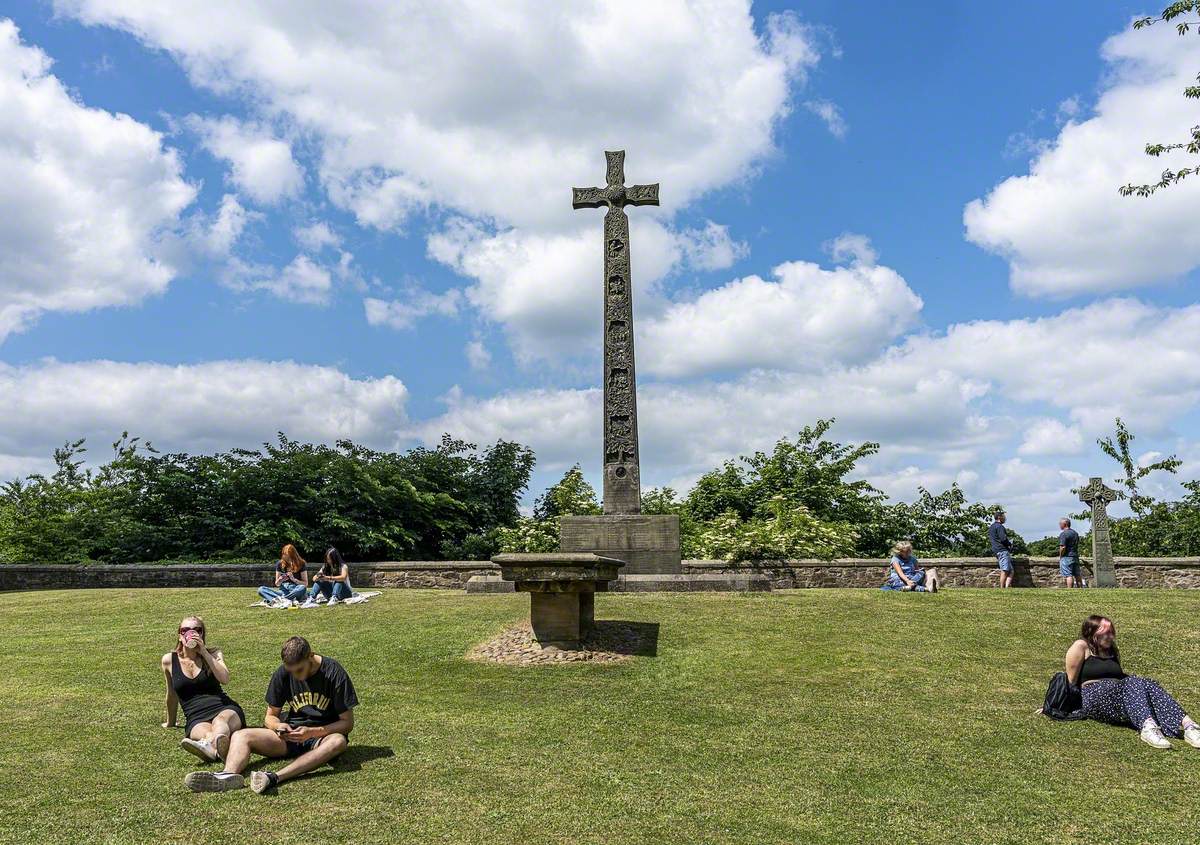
[839, 716]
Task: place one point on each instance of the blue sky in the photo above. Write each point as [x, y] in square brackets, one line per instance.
[339, 222]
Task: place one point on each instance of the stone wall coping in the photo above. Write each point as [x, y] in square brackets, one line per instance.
[469, 565]
[876, 563]
[377, 566]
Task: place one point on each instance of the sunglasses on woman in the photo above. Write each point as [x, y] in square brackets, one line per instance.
[184, 629]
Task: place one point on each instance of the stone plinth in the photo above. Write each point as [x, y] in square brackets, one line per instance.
[647, 543]
[562, 591]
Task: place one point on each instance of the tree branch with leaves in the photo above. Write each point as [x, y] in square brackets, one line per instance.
[1178, 14]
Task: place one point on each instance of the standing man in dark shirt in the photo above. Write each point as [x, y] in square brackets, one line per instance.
[1068, 552]
[1001, 548]
[319, 700]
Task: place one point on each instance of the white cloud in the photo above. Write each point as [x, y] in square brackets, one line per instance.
[546, 289]
[222, 232]
[831, 115]
[85, 197]
[807, 318]
[477, 355]
[303, 280]
[316, 236]
[401, 124]
[850, 247]
[950, 406]
[1063, 227]
[1051, 437]
[199, 408]
[689, 88]
[404, 313]
[262, 165]
[711, 248]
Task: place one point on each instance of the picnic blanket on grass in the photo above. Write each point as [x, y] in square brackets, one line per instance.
[357, 598]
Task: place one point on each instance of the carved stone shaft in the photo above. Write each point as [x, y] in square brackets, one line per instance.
[622, 466]
[1097, 496]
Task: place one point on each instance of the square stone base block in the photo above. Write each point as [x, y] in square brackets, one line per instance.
[559, 620]
[648, 543]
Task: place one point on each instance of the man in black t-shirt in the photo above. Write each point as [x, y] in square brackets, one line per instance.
[310, 713]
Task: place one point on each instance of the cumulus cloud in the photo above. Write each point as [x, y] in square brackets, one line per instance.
[199, 407]
[403, 120]
[808, 317]
[478, 356]
[1062, 227]
[948, 406]
[85, 197]
[316, 236]
[404, 312]
[1051, 437]
[261, 165]
[303, 280]
[401, 125]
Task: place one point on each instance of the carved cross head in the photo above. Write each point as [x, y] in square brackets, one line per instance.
[615, 194]
[1096, 494]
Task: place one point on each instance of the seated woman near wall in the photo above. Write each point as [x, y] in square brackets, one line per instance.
[332, 582]
[906, 574]
[1109, 695]
[291, 577]
[194, 672]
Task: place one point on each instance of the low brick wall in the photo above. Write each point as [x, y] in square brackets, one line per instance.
[1171, 573]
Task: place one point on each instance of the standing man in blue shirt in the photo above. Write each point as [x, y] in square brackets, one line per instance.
[1068, 552]
[1001, 548]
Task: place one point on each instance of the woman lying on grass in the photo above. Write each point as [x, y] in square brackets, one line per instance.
[194, 674]
[1109, 695]
[906, 575]
[332, 581]
[291, 578]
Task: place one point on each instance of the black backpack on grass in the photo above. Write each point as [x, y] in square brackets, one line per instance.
[1063, 699]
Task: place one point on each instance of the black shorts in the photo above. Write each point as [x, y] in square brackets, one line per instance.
[295, 749]
[210, 713]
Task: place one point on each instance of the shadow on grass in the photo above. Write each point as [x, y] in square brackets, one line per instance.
[620, 637]
[351, 760]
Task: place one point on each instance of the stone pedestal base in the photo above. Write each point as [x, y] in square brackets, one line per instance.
[559, 620]
[648, 543]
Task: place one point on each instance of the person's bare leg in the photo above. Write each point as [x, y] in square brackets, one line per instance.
[198, 742]
[223, 728]
[256, 740]
[329, 747]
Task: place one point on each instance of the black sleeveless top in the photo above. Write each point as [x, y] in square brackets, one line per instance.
[1097, 668]
[201, 696]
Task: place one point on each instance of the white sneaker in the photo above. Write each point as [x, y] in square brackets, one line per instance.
[280, 603]
[1152, 735]
[1191, 735]
[201, 748]
[213, 781]
[308, 604]
[320, 599]
[333, 600]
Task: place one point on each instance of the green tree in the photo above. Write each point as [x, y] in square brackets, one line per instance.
[1178, 13]
[1117, 448]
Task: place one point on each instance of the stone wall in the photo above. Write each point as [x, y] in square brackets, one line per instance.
[1174, 573]
[436, 574]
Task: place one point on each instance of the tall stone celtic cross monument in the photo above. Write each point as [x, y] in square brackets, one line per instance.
[649, 544]
[1098, 497]
[622, 466]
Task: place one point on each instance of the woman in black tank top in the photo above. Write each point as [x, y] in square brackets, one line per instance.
[1109, 695]
[194, 674]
